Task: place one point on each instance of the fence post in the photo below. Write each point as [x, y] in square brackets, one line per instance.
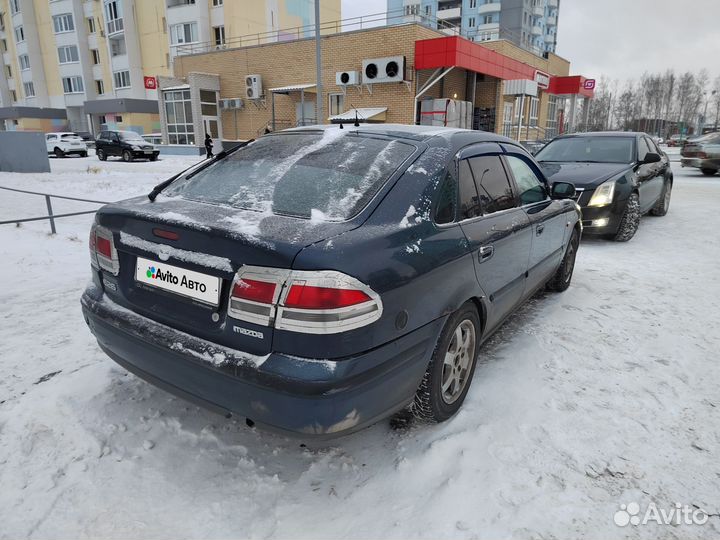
[50, 213]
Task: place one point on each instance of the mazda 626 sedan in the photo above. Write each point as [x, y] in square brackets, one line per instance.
[317, 280]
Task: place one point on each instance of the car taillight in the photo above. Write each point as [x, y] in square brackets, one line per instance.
[315, 302]
[702, 155]
[308, 297]
[254, 294]
[102, 250]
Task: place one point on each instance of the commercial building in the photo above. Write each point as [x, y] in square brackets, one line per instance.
[386, 74]
[87, 64]
[531, 24]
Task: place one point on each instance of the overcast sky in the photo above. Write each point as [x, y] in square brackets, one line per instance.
[623, 38]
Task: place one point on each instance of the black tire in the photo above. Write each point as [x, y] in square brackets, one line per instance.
[663, 203]
[430, 402]
[58, 152]
[127, 156]
[630, 220]
[83, 154]
[708, 172]
[563, 276]
[101, 155]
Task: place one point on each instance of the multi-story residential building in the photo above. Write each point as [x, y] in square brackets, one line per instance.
[531, 24]
[87, 64]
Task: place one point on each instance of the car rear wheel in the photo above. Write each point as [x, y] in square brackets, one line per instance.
[83, 154]
[447, 379]
[708, 172]
[58, 152]
[561, 280]
[101, 155]
[630, 220]
[127, 156]
[663, 204]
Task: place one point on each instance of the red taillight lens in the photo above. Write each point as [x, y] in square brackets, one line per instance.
[308, 297]
[254, 290]
[103, 246]
[702, 155]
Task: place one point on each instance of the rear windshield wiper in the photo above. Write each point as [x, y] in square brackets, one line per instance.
[203, 165]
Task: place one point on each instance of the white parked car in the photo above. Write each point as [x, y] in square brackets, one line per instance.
[65, 143]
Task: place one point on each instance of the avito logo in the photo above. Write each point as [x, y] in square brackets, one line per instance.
[168, 277]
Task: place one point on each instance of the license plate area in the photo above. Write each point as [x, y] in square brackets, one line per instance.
[180, 281]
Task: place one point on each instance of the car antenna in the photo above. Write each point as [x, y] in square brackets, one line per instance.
[357, 122]
[206, 163]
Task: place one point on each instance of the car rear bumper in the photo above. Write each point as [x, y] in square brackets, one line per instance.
[298, 396]
[713, 163]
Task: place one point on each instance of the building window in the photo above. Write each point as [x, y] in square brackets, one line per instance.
[63, 23]
[178, 117]
[102, 119]
[19, 34]
[121, 79]
[217, 3]
[100, 87]
[208, 102]
[95, 56]
[488, 19]
[29, 88]
[551, 123]
[13, 95]
[118, 119]
[412, 9]
[219, 33]
[73, 85]
[184, 33]
[68, 54]
[534, 105]
[337, 104]
[113, 16]
[8, 71]
[14, 6]
[117, 46]
[471, 22]
[91, 25]
[473, 4]
[3, 45]
[24, 60]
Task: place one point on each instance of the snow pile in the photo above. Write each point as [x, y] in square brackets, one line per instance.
[603, 395]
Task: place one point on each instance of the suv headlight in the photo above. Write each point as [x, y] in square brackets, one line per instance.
[603, 194]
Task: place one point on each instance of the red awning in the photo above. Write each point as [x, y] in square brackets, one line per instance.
[455, 51]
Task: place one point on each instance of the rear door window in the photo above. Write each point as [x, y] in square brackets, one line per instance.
[493, 185]
[447, 201]
[329, 176]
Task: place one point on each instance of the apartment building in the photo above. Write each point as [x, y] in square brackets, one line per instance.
[530, 24]
[88, 64]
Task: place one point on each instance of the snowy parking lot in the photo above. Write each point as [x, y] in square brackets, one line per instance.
[602, 396]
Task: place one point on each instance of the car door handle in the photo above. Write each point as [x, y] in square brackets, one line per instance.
[539, 230]
[485, 253]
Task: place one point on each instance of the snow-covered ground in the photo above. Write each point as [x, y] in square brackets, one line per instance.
[604, 395]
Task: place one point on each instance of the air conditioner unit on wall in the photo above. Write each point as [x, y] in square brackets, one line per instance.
[345, 78]
[253, 87]
[383, 70]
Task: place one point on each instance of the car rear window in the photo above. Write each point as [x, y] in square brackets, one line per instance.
[328, 176]
[589, 149]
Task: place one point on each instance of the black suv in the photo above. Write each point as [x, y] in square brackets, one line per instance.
[126, 144]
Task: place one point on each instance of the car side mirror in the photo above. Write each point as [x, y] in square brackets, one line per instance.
[651, 157]
[562, 190]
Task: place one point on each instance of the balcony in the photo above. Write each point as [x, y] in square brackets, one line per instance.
[552, 3]
[177, 3]
[549, 38]
[115, 26]
[536, 30]
[491, 7]
[445, 14]
[551, 20]
[538, 11]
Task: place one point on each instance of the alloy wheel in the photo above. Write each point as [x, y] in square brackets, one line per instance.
[458, 361]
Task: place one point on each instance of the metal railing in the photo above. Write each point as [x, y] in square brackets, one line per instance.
[389, 18]
[50, 215]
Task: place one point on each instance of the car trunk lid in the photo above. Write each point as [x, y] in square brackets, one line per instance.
[204, 244]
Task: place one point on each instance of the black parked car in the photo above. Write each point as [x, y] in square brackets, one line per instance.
[318, 279]
[619, 176]
[126, 144]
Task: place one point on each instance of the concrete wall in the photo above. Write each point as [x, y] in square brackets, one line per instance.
[23, 152]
